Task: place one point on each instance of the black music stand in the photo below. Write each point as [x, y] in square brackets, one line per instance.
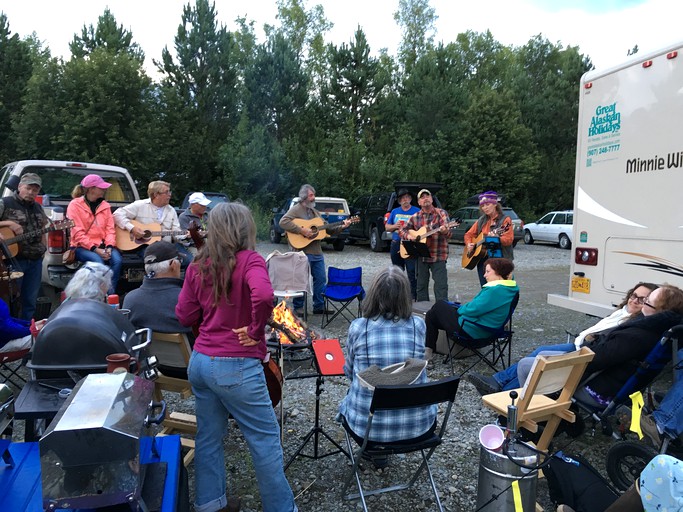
[416, 249]
[323, 370]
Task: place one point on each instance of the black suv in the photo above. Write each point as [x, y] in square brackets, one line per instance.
[373, 209]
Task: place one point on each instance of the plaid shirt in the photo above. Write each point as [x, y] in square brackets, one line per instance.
[383, 342]
[436, 243]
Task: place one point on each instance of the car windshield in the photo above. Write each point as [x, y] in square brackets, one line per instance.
[58, 182]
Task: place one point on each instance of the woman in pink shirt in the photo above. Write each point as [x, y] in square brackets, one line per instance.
[228, 292]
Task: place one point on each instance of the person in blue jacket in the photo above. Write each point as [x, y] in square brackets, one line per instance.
[15, 334]
[490, 307]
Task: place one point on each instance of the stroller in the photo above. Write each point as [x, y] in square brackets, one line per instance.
[626, 458]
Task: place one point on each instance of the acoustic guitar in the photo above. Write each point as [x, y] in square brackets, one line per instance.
[318, 226]
[471, 258]
[125, 241]
[422, 234]
[12, 242]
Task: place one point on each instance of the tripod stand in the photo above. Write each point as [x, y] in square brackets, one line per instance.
[317, 430]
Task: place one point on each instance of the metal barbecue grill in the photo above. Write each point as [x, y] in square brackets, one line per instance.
[90, 453]
[79, 336]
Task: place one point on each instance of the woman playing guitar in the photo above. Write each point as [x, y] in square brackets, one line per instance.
[493, 223]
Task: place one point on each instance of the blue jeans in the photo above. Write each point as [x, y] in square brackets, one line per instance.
[30, 285]
[115, 262]
[440, 277]
[317, 264]
[669, 415]
[508, 377]
[236, 386]
[407, 264]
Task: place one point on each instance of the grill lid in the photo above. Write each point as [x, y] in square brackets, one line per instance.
[80, 334]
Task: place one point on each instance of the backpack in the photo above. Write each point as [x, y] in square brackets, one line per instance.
[574, 482]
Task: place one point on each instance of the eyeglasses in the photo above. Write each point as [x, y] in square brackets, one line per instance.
[166, 193]
[649, 305]
[637, 298]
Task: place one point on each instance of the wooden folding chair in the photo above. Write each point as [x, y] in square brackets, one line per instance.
[549, 375]
[173, 352]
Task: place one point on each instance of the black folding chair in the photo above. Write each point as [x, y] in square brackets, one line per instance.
[386, 398]
[343, 287]
[10, 363]
[492, 350]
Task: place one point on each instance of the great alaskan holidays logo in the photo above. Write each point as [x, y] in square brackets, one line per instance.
[605, 120]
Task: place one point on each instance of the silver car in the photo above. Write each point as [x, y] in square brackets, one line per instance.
[554, 227]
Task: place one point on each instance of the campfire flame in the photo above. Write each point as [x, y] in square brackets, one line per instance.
[287, 325]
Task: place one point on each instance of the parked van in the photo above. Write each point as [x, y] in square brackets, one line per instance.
[628, 219]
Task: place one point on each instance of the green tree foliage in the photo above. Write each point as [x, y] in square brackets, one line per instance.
[544, 81]
[114, 38]
[494, 152]
[416, 19]
[15, 70]
[198, 94]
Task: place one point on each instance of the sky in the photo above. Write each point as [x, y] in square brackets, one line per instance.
[602, 29]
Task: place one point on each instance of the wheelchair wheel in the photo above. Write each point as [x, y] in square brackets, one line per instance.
[625, 461]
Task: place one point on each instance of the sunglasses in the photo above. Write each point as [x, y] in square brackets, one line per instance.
[649, 305]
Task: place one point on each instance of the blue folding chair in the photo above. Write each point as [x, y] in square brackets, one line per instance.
[343, 287]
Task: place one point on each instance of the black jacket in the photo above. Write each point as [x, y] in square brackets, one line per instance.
[618, 354]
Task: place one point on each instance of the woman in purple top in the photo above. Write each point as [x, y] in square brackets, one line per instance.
[227, 291]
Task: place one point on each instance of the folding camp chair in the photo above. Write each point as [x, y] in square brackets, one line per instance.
[10, 363]
[343, 287]
[548, 375]
[289, 274]
[387, 398]
[492, 349]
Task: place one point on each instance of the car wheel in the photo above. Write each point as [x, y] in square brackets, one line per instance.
[565, 243]
[275, 237]
[528, 239]
[376, 243]
[338, 245]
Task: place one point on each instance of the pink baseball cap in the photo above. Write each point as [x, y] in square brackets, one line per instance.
[93, 180]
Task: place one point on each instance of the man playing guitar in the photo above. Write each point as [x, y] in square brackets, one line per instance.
[305, 209]
[437, 244]
[157, 210]
[493, 223]
[20, 213]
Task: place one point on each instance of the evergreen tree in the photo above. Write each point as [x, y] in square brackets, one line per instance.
[15, 70]
[114, 38]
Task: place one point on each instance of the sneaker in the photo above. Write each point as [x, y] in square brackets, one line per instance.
[649, 428]
[485, 385]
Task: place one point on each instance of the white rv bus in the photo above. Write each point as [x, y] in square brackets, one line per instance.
[628, 193]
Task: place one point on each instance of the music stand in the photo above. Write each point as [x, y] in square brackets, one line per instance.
[416, 249]
[329, 361]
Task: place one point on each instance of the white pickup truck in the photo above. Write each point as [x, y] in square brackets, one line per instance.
[59, 179]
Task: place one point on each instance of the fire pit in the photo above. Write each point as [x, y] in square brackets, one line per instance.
[287, 331]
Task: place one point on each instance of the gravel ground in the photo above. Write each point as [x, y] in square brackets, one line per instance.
[317, 483]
